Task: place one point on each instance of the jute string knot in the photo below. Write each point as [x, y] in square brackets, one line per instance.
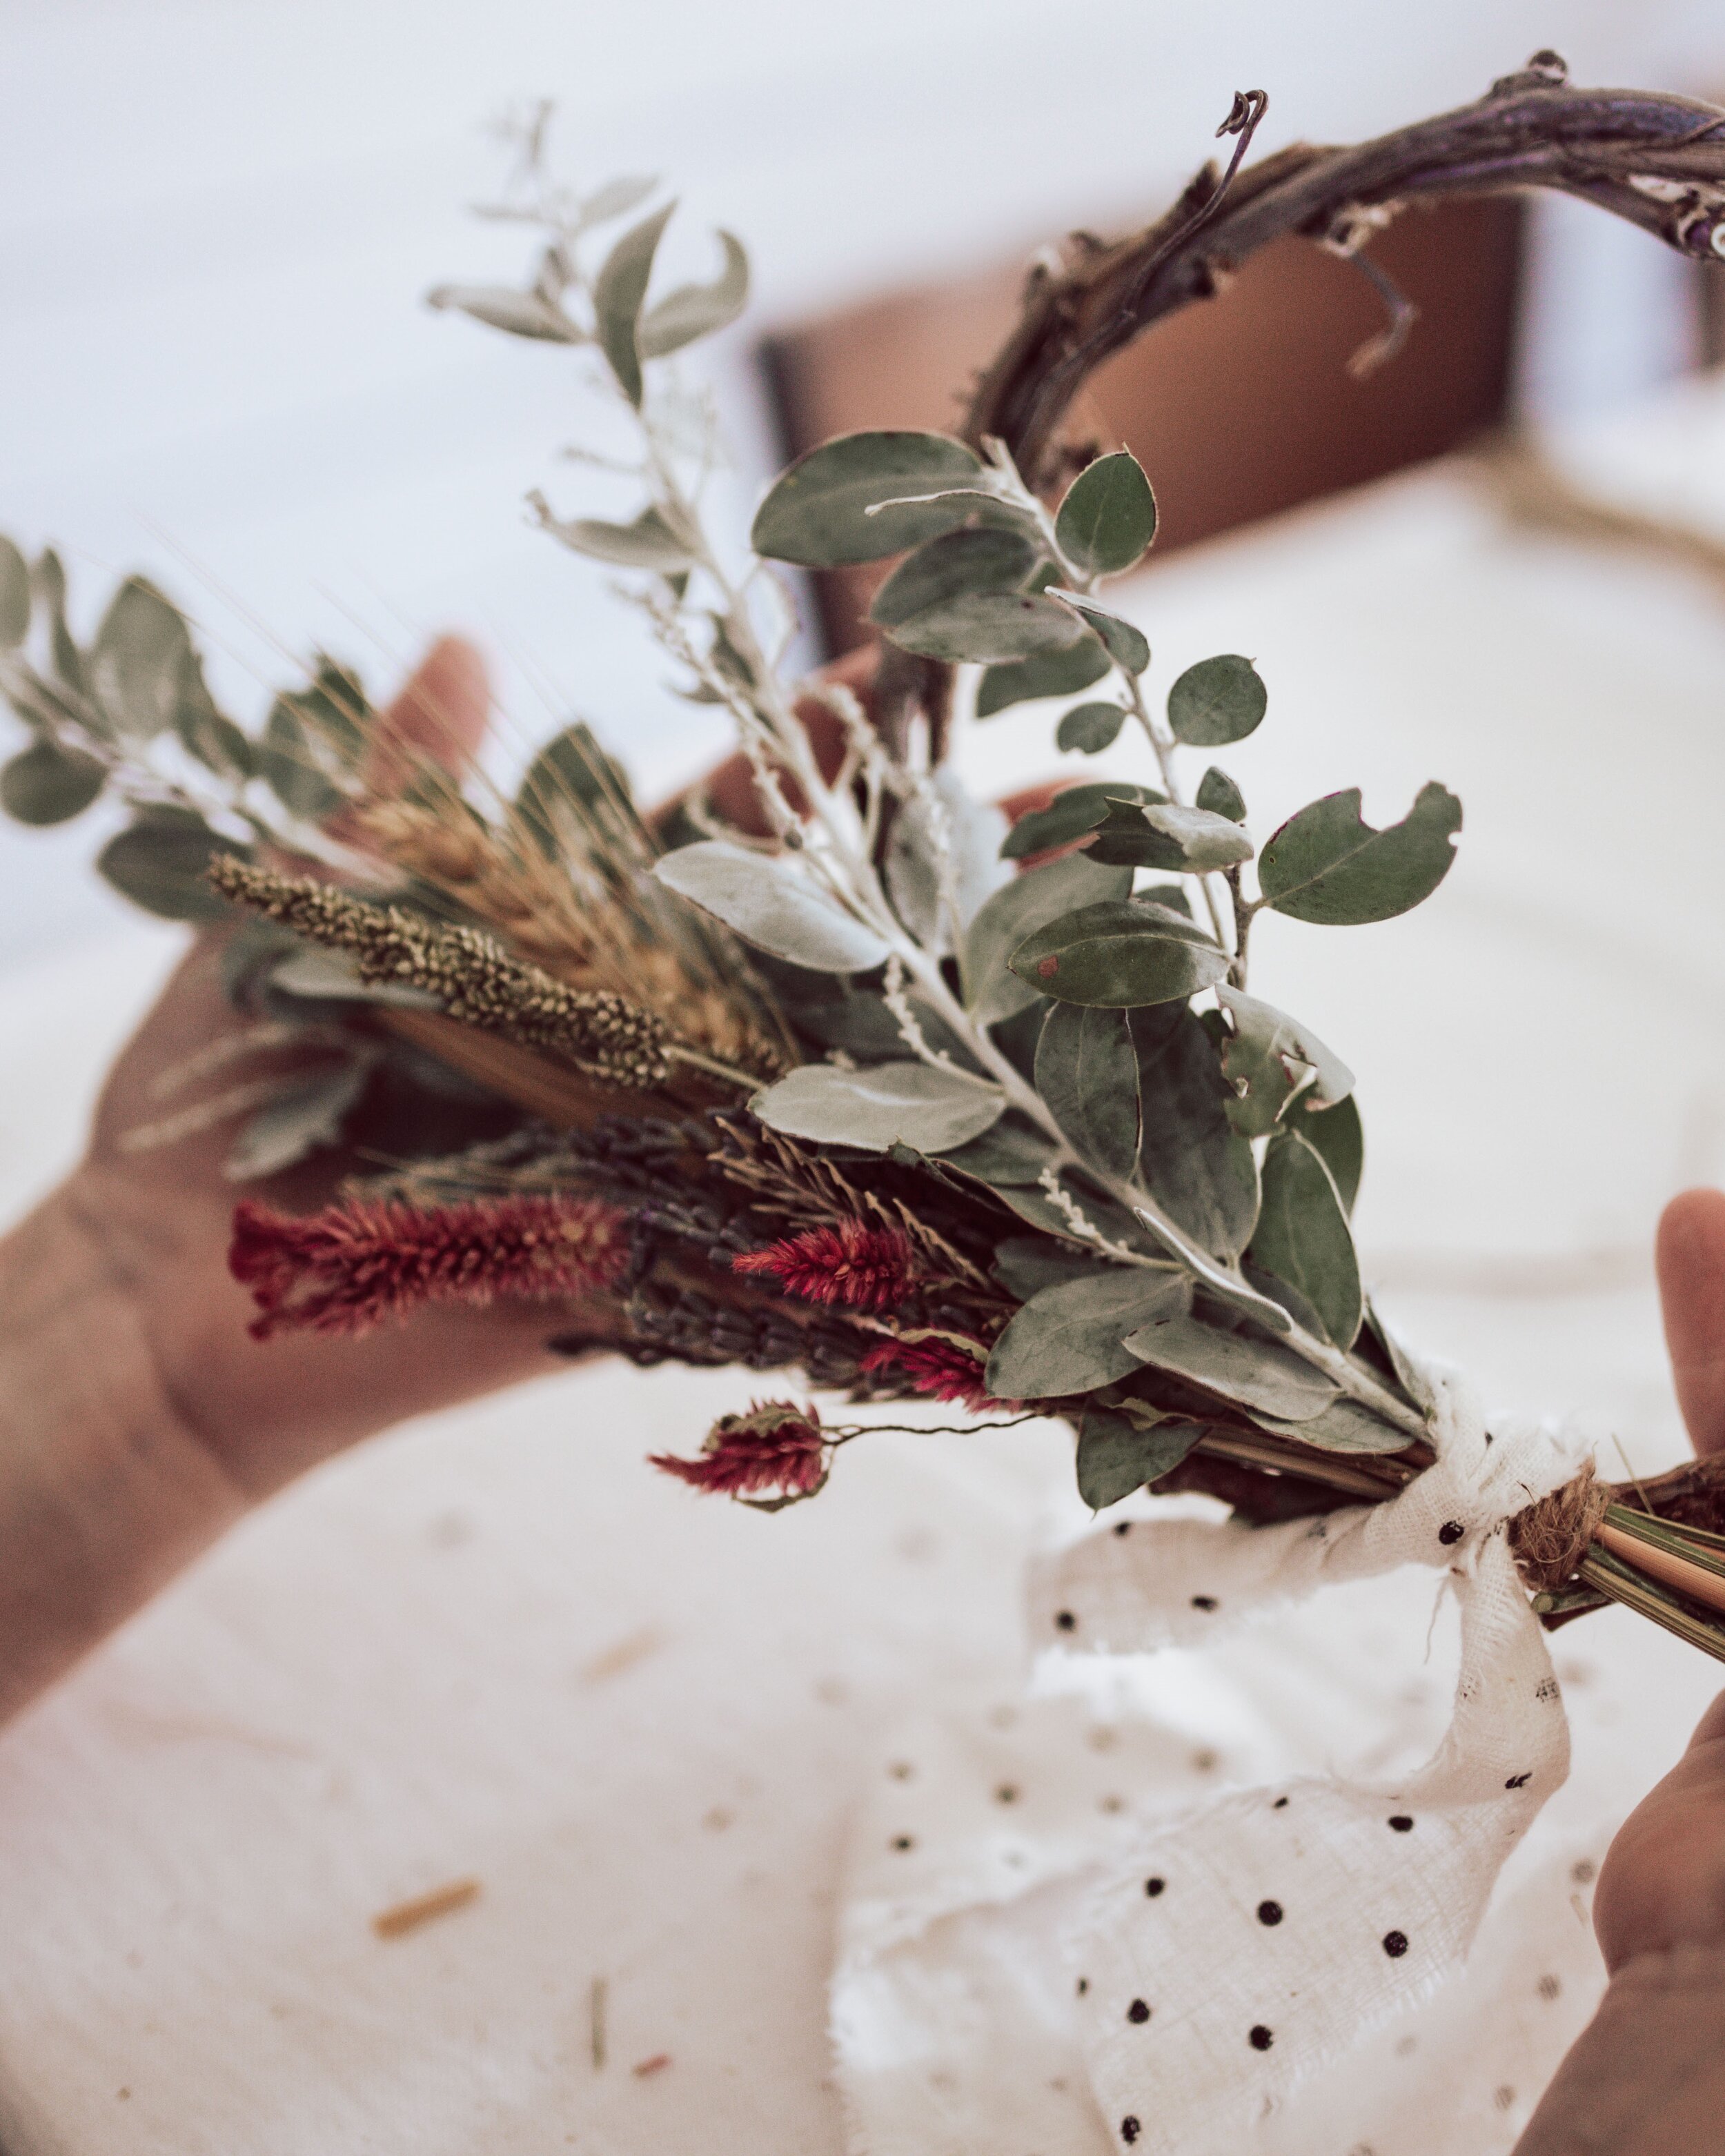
[1550, 1538]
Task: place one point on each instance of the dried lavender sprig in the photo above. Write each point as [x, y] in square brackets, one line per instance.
[477, 982]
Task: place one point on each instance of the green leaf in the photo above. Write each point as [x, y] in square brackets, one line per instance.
[1118, 1455]
[1026, 1265]
[49, 579]
[1255, 1373]
[1090, 727]
[943, 843]
[135, 663]
[572, 773]
[1198, 1169]
[292, 767]
[615, 198]
[1217, 701]
[987, 626]
[948, 567]
[767, 903]
[1108, 517]
[1409, 1375]
[696, 310]
[1119, 954]
[1069, 1338]
[1075, 810]
[1217, 793]
[647, 543]
[332, 977]
[1302, 1236]
[214, 739]
[911, 1104]
[1087, 1075]
[1013, 1151]
[14, 597]
[1127, 646]
[501, 307]
[1268, 1056]
[304, 1117]
[1165, 835]
[1049, 674]
[815, 515]
[49, 785]
[1344, 1426]
[1338, 1135]
[159, 861]
[992, 992]
[1034, 1206]
[619, 292]
[1325, 865]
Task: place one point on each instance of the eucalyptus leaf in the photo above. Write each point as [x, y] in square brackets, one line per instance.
[1409, 1375]
[1267, 1057]
[48, 578]
[813, 514]
[1069, 1338]
[1167, 835]
[502, 307]
[696, 310]
[1026, 1265]
[572, 773]
[1302, 1236]
[1217, 793]
[14, 597]
[1337, 1134]
[943, 841]
[290, 764]
[206, 733]
[1120, 954]
[332, 977]
[615, 198]
[1087, 1075]
[1034, 1206]
[769, 903]
[619, 291]
[135, 662]
[947, 568]
[1200, 1172]
[159, 861]
[890, 1104]
[1049, 674]
[647, 543]
[1257, 1374]
[1127, 646]
[1118, 1455]
[1217, 701]
[992, 992]
[1091, 728]
[304, 1117]
[1108, 517]
[1344, 1426]
[47, 784]
[1325, 865]
[986, 627]
[1074, 811]
[1013, 1152]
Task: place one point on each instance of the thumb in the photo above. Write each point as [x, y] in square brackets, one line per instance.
[1662, 1884]
[440, 712]
[1690, 1256]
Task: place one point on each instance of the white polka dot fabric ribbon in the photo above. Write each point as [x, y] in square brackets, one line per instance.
[1024, 1971]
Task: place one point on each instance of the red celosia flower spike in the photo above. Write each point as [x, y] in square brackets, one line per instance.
[776, 1447]
[348, 1268]
[935, 1369]
[861, 1266]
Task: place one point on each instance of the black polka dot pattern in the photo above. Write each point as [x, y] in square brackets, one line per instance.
[1399, 1823]
[1124, 1528]
[1083, 1985]
[1259, 2038]
[1153, 1888]
[1517, 1781]
[903, 1842]
[1269, 1913]
[1206, 1602]
[1064, 1621]
[1451, 1533]
[1129, 2129]
[1138, 2011]
[1395, 1944]
[1279, 1806]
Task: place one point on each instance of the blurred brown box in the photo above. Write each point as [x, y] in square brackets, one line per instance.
[1237, 407]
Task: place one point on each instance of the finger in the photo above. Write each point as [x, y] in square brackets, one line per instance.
[1662, 1884]
[731, 790]
[440, 713]
[1690, 1256]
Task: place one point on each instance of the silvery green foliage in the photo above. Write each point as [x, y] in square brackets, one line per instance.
[1061, 1017]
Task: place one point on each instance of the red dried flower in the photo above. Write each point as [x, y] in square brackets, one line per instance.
[854, 1263]
[776, 1446]
[935, 1369]
[348, 1268]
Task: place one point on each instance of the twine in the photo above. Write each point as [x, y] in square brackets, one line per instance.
[1549, 1539]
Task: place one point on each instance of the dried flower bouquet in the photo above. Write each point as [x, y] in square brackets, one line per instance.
[885, 1092]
